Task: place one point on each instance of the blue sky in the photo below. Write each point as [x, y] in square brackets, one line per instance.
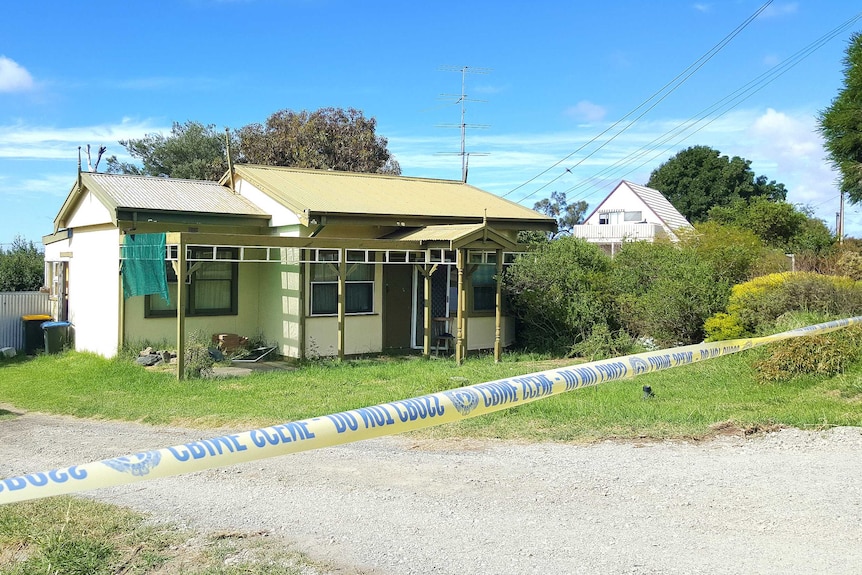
[558, 75]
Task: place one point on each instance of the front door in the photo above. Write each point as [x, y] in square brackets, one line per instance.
[397, 282]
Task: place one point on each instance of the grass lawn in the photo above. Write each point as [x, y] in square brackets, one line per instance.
[690, 401]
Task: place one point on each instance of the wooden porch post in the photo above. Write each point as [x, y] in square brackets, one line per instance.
[427, 271]
[303, 286]
[342, 276]
[498, 305]
[181, 307]
[459, 342]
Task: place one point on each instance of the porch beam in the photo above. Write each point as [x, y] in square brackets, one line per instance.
[251, 240]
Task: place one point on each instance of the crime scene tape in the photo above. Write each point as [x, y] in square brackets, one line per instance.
[375, 421]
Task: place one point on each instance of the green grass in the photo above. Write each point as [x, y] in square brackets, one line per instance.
[690, 401]
[81, 537]
[70, 535]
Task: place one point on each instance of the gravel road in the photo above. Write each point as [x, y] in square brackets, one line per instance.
[784, 502]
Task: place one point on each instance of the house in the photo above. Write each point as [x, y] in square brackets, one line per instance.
[317, 263]
[631, 213]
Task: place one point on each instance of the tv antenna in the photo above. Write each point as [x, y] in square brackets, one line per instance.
[462, 100]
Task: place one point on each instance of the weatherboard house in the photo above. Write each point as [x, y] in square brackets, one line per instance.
[631, 213]
[316, 263]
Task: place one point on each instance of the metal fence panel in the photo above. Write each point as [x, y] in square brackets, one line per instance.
[13, 305]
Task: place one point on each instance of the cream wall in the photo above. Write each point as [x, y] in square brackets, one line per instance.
[94, 289]
[89, 212]
[362, 333]
[139, 329]
[481, 332]
[279, 215]
[279, 295]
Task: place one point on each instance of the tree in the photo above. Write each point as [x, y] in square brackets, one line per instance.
[22, 267]
[779, 224]
[192, 151]
[699, 178]
[329, 138]
[841, 124]
[567, 215]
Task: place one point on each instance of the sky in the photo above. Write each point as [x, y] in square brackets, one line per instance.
[560, 96]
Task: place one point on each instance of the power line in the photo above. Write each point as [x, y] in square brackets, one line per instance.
[661, 94]
[706, 116]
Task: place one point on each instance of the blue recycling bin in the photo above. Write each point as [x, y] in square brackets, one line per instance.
[56, 335]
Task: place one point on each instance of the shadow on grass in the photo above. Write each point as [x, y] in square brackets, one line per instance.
[7, 414]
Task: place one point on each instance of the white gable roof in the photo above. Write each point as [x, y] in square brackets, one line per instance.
[633, 197]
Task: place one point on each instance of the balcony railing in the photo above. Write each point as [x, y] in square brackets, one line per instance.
[616, 233]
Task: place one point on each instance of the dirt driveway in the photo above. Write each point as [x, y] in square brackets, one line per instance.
[782, 502]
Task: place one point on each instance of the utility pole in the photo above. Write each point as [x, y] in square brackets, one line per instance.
[839, 227]
[462, 100]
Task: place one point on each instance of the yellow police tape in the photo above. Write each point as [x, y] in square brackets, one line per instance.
[375, 421]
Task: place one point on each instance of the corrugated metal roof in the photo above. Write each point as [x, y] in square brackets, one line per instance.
[439, 233]
[168, 194]
[333, 192]
[661, 206]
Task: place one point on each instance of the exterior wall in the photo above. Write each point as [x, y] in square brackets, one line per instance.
[623, 199]
[482, 330]
[94, 289]
[139, 329]
[280, 297]
[362, 333]
[89, 212]
[280, 215]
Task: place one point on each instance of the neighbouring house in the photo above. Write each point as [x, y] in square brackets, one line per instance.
[631, 213]
[317, 263]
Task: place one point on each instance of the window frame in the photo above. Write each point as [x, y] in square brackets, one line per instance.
[192, 281]
[349, 285]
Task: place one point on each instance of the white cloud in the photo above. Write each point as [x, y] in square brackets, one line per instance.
[701, 7]
[25, 142]
[13, 76]
[779, 9]
[586, 111]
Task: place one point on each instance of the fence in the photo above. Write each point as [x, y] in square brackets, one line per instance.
[12, 306]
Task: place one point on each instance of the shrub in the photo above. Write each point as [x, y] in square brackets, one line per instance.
[756, 304]
[822, 354]
[666, 293]
[558, 293]
[722, 326]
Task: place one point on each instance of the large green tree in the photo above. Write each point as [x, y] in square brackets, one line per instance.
[700, 178]
[329, 138]
[192, 150]
[22, 266]
[779, 224]
[841, 124]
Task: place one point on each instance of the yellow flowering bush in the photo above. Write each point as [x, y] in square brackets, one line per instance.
[755, 305]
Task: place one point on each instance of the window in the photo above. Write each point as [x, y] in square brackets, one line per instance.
[212, 286]
[484, 282]
[633, 216]
[358, 289]
[604, 218]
